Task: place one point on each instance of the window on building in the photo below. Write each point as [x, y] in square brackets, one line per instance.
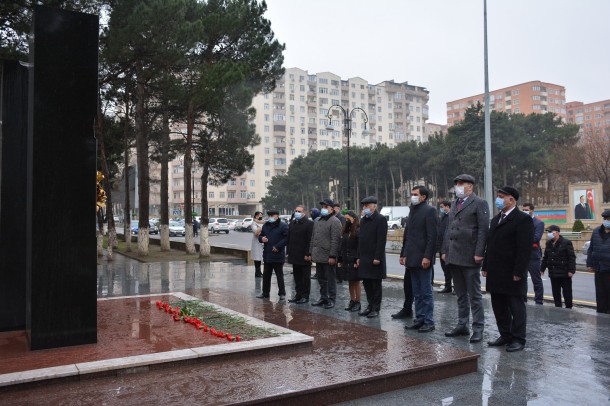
[231, 195]
[516, 92]
[211, 195]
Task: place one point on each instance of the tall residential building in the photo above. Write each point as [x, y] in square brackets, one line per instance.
[292, 120]
[591, 117]
[525, 98]
[432, 128]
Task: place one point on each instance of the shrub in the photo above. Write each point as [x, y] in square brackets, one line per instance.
[578, 226]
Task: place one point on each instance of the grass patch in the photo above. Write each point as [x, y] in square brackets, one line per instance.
[154, 253]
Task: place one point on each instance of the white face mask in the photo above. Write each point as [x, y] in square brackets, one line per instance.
[550, 235]
[459, 191]
[415, 200]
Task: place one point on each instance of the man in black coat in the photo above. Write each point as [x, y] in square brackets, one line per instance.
[418, 255]
[273, 236]
[371, 262]
[509, 245]
[299, 239]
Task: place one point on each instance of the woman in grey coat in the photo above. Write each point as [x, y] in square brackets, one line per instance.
[257, 248]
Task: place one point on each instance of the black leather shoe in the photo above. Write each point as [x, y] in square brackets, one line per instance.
[476, 337]
[329, 305]
[499, 342]
[372, 314]
[282, 298]
[365, 312]
[302, 300]
[320, 302]
[414, 326]
[294, 300]
[356, 307]
[458, 331]
[262, 296]
[515, 346]
[350, 305]
[426, 328]
[446, 290]
[403, 314]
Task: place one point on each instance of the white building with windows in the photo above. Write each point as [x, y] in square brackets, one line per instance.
[292, 120]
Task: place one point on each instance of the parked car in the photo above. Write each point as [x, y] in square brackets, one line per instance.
[232, 224]
[585, 247]
[394, 224]
[243, 224]
[176, 229]
[152, 228]
[217, 225]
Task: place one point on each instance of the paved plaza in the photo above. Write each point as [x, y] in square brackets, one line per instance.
[565, 361]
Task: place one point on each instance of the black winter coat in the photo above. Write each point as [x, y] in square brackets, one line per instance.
[559, 258]
[509, 245]
[276, 232]
[299, 238]
[598, 255]
[371, 246]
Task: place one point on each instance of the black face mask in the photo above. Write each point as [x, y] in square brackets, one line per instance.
[259, 218]
[349, 223]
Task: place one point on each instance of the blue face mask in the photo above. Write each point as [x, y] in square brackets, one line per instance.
[606, 223]
[368, 212]
[298, 215]
[324, 212]
[271, 219]
[443, 211]
[499, 203]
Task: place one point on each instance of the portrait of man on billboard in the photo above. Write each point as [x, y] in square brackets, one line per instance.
[585, 206]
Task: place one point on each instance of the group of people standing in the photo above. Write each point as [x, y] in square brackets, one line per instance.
[504, 249]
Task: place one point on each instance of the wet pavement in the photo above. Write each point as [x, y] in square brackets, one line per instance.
[566, 359]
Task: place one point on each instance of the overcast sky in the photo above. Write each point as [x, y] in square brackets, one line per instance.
[438, 44]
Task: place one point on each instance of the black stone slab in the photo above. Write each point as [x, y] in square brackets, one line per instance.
[61, 243]
[13, 138]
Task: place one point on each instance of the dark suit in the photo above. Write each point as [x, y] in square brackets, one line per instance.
[582, 211]
[509, 246]
[371, 245]
[534, 264]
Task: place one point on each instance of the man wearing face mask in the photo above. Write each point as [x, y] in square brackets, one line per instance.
[509, 246]
[534, 264]
[273, 236]
[463, 250]
[299, 239]
[324, 250]
[598, 261]
[370, 260]
[418, 256]
[560, 259]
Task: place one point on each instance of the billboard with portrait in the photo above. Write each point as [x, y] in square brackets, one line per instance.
[584, 204]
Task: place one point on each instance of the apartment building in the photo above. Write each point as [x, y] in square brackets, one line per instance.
[432, 128]
[292, 121]
[524, 98]
[591, 117]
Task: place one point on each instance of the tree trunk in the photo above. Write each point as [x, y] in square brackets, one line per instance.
[164, 222]
[143, 171]
[204, 249]
[393, 187]
[107, 186]
[127, 208]
[189, 243]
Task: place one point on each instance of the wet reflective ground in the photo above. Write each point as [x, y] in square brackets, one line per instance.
[566, 359]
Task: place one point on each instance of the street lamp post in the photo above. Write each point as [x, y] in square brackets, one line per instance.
[347, 129]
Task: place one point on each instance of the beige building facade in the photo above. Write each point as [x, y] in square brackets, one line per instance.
[592, 118]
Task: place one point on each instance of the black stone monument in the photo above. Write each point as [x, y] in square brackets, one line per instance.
[13, 138]
[61, 257]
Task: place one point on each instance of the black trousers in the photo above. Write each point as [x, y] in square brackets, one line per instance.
[407, 287]
[447, 273]
[559, 284]
[268, 269]
[602, 291]
[511, 316]
[372, 287]
[302, 280]
[257, 268]
[327, 280]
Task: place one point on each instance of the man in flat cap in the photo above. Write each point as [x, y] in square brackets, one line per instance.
[324, 250]
[560, 259]
[371, 261]
[509, 245]
[273, 236]
[463, 251]
[598, 261]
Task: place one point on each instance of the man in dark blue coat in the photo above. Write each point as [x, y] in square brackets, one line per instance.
[273, 236]
[299, 239]
[418, 256]
[598, 261]
[536, 255]
[371, 262]
[509, 245]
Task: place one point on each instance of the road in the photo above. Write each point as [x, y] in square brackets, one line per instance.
[583, 286]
